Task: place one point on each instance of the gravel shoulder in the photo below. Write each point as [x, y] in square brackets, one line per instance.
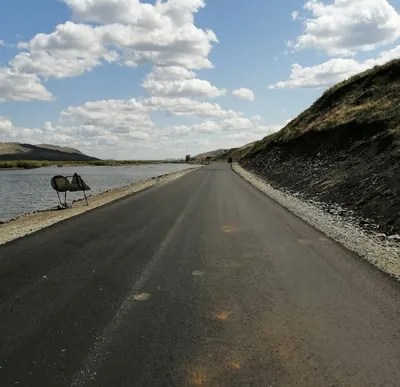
[30, 223]
[379, 249]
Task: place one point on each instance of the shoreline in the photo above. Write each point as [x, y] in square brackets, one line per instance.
[35, 164]
[29, 223]
[378, 249]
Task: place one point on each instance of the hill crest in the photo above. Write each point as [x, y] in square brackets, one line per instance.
[10, 151]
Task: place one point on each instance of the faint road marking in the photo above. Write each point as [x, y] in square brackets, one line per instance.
[197, 273]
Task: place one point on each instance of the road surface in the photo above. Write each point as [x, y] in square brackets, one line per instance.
[202, 281]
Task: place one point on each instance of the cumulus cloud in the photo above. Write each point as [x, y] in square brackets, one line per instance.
[69, 51]
[116, 116]
[237, 123]
[130, 31]
[116, 128]
[175, 81]
[295, 15]
[177, 12]
[252, 125]
[243, 93]
[206, 127]
[6, 127]
[127, 32]
[333, 71]
[9, 132]
[16, 86]
[188, 107]
[344, 27]
[226, 140]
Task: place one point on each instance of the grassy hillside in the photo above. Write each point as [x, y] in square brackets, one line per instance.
[368, 100]
[344, 149]
[16, 151]
[213, 154]
[236, 153]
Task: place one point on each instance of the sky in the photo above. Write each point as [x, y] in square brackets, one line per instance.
[130, 79]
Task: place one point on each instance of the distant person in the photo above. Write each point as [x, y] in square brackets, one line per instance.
[230, 161]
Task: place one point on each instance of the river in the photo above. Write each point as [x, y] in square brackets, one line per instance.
[25, 191]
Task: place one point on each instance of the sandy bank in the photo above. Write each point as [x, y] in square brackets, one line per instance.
[381, 250]
[30, 223]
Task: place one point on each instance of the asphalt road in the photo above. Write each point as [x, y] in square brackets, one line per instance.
[202, 281]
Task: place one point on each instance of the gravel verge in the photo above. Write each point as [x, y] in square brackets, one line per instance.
[381, 250]
[30, 223]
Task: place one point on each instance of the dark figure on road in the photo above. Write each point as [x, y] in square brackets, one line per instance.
[230, 161]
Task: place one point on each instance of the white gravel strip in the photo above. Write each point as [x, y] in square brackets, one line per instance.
[380, 250]
[27, 224]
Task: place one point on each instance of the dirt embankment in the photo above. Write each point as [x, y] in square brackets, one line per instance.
[362, 175]
[344, 150]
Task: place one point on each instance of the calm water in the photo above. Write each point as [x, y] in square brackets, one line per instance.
[24, 191]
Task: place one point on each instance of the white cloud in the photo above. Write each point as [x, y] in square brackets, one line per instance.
[176, 12]
[114, 116]
[177, 81]
[243, 93]
[226, 140]
[252, 125]
[237, 123]
[346, 26]
[295, 15]
[11, 133]
[6, 127]
[176, 130]
[332, 71]
[69, 51]
[206, 127]
[127, 32]
[188, 107]
[90, 132]
[132, 33]
[15, 86]
[171, 73]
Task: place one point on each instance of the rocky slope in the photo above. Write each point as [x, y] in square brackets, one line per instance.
[344, 150]
[17, 151]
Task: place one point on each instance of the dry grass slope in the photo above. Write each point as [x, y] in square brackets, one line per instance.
[372, 96]
[344, 149]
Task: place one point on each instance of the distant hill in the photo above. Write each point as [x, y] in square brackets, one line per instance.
[43, 152]
[235, 153]
[214, 154]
